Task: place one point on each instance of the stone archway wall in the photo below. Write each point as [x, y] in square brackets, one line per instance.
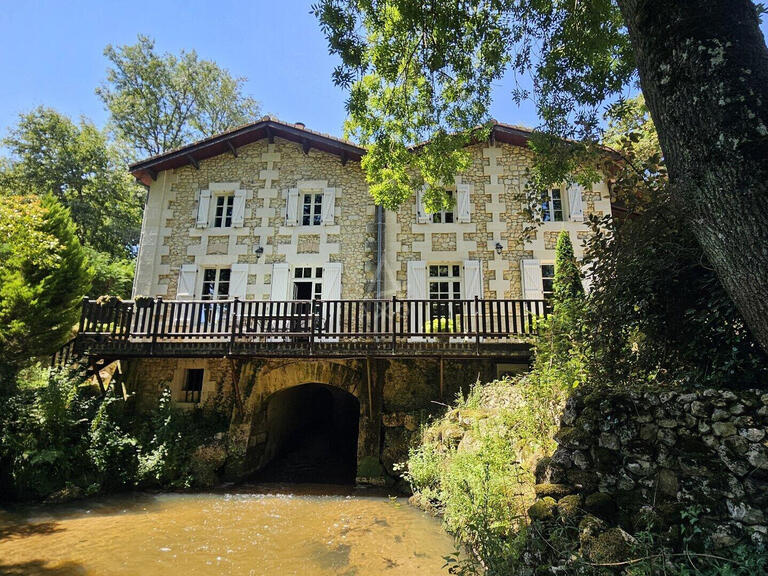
[260, 380]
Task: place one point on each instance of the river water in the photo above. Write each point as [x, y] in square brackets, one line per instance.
[261, 530]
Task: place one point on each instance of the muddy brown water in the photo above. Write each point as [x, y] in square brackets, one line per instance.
[254, 531]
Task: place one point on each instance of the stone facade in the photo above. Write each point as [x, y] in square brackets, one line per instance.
[625, 459]
[265, 173]
[496, 178]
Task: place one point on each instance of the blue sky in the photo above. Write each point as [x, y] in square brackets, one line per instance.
[51, 53]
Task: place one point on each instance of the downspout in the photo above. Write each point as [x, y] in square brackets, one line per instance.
[379, 249]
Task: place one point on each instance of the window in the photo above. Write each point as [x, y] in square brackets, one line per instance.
[444, 281]
[547, 280]
[222, 217]
[216, 283]
[193, 384]
[444, 216]
[307, 282]
[552, 206]
[312, 210]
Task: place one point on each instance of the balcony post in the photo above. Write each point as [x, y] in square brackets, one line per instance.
[477, 325]
[233, 326]
[314, 310]
[156, 308]
[394, 319]
[82, 314]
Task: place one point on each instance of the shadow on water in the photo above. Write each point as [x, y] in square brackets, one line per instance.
[39, 568]
[13, 531]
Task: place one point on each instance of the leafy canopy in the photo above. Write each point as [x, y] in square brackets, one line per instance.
[44, 274]
[423, 71]
[161, 101]
[77, 164]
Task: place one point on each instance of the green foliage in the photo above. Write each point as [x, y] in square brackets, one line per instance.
[424, 72]
[161, 101]
[111, 275]
[657, 311]
[442, 324]
[43, 276]
[567, 285]
[63, 436]
[77, 164]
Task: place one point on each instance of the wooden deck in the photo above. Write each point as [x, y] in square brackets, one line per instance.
[299, 328]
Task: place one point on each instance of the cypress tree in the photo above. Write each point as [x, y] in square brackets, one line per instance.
[567, 287]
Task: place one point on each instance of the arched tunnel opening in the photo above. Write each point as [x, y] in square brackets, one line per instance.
[312, 433]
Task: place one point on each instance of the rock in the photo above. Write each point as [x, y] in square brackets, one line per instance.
[667, 437]
[556, 491]
[699, 409]
[737, 409]
[648, 432]
[752, 434]
[704, 427]
[667, 482]
[724, 429]
[562, 458]
[584, 480]
[625, 482]
[569, 507]
[600, 503]
[609, 441]
[719, 415]
[580, 459]
[590, 528]
[723, 537]
[757, 457]
[541, 473]
[666, 423]
[741, 512]
[543, 509]
[640, 468]
[613, 545]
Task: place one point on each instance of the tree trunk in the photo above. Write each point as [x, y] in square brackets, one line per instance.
[703, 68]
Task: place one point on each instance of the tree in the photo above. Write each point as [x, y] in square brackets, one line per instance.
[44, 274]
[86, 172]
[567, 285]
[424, 70]
[161, 101]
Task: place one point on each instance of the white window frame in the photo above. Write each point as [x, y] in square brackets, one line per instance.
[450, 278]
[548, 211]
[316, 207]
[315, 277]
[547, 294]
[228, 209]
[440, 217]
[216, 283]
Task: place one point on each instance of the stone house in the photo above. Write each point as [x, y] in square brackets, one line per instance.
[267, 238]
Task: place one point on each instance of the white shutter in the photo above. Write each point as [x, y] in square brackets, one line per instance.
[462, 202]
[532, 286]
[238, 281]
[329, 205]
[280, 271]
[575, 203]
[473, 279]
[416, 289]
[238, 209]
[292, 208]
[187, 279]
[203, 204]
[422, 217]
[331, 281]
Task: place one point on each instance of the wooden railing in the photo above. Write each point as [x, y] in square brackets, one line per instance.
[394, 319]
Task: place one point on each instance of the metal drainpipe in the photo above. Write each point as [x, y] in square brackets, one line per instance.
[379, 249]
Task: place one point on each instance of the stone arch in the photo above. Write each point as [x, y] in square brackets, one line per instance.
[262, 381]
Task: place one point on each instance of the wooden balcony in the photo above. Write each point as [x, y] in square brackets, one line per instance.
[300, 328]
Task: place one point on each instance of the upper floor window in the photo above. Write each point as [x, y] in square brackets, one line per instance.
[307, 282]
[547, 281]
[444, 216]
[216, 283]
[312, 209]
[444, 281]
[222, 217]
[552, 206]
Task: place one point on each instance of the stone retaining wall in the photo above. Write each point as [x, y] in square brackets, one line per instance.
[625, 459]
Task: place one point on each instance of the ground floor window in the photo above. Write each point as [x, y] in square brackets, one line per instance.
[444, 281]
[193, 384]
[216, 283]
[307, 282]
[547, 281]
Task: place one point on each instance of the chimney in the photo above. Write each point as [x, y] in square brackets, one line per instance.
[299, 125]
